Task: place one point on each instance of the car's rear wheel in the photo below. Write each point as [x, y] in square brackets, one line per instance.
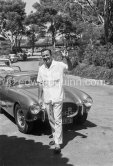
[23, 125]
[80, 119]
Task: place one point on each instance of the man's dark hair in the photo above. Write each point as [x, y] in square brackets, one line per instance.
[46, 49]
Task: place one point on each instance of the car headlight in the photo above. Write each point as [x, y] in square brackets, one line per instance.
[88, 102]
[35, 109]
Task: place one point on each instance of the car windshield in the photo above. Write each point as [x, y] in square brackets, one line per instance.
[4, 63]
[22, 81]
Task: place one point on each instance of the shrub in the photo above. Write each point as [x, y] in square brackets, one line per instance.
[94, 72]
[99, 56]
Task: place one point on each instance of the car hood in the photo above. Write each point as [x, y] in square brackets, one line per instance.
[78, 95]
[32, 92]
[70, 94]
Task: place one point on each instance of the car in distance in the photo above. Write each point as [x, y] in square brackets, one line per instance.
[6, 66]
[13, 58]
[4, 57]
[19, 98]
[22, 56]
[5, 62]
[28, 53]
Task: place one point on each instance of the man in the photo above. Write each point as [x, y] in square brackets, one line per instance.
[50, 79]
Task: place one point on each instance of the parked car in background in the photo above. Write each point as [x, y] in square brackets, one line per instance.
[37, 55]
[13, 58]
[4, 57]
[19, 98]
[22, 56]
[6, 66]
[28, 53]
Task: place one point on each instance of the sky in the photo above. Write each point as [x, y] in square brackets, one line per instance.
[29, 4]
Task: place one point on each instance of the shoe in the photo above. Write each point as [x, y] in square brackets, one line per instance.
[52, 143]
[51, 136]
[57, 150]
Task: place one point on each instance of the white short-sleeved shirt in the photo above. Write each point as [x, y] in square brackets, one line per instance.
[52, 81]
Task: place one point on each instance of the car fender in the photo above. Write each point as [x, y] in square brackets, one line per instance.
[19, 98]
[71, 96]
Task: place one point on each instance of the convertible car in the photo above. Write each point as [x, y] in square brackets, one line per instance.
[5, 64]
[13, 58]
[18, 97]
[6, 67]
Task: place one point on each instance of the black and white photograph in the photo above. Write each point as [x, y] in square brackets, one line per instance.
[56, 83]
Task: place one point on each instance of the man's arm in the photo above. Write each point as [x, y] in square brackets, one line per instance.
[70, 66]
[69, 63]
[40, 87]
[40, 91]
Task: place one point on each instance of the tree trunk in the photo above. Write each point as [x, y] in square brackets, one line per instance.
[53, 34]
[106, 20]
[53, 41]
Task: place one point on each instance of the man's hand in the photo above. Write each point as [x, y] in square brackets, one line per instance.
[40, 101]
[65, 54]
[42, 105]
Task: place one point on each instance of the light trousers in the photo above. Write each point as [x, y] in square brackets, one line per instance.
[54, 112]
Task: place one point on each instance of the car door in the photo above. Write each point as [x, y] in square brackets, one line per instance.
[2, 92]
[10, 100]
[7, 98]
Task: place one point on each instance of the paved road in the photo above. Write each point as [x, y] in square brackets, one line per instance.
[88, 145]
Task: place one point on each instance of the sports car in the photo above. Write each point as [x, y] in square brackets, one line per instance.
[19, 98]
[6, 66]
[13, 58]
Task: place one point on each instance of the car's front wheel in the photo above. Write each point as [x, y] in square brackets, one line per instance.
[23, 125]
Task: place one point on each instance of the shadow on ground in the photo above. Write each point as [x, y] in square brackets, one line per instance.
[69, 131]
[16, 151]
[72, 131]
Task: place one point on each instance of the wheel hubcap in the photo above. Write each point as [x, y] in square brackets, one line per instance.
[20, 118]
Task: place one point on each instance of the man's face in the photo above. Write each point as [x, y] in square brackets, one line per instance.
[47, 58]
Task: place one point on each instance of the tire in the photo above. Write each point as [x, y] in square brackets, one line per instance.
[23, 125]
[80, 119]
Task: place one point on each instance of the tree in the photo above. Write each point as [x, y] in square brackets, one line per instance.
[34, 29]
[50, 13]
[108, 17]
[12, 14]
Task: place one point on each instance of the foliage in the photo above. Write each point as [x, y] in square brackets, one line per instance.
[12, 14]
[94, 72]
[99, 55]
[108, 14]
[59, 22]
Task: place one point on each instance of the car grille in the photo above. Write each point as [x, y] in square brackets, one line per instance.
[69, 109]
